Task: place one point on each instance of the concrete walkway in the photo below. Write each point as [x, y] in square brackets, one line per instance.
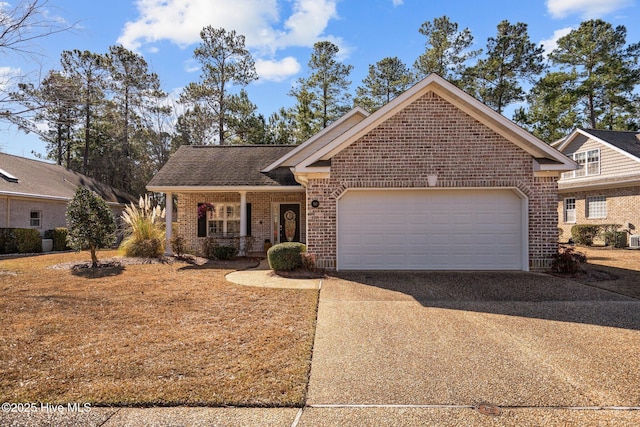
[415, 349]
[263, 277]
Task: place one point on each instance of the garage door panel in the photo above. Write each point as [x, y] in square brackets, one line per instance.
[422, 229]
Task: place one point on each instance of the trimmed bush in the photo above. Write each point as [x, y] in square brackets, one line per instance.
[60, 239]
[584, 234]
[286, 256]
[224, 253]
[28, 240]
[8, 241]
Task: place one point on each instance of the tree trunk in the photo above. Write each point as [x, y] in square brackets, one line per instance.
[94, 257]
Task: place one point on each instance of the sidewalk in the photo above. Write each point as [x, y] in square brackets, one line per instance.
[263, 277]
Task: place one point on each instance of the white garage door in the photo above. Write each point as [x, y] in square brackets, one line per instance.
[430, 230]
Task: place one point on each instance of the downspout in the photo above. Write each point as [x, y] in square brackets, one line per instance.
[8, 222]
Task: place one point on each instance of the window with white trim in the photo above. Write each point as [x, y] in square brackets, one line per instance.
[570, 210]
[35, 219]
[588, 164]
[224, 220]
[596, 207]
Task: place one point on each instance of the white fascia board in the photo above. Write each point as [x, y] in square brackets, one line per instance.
[594, 185]
[223, 189]
[47, 197]
[317, 136]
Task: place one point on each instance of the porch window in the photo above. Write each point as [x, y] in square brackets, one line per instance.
[224, 220]
[596, 207]
[35, 219]
[570, 210]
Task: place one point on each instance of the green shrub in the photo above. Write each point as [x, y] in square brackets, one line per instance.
[60, 239]
[8, 241]
[286, 256]
[209, 246]
[616, 239]
[584, 234]
[28, 240]
[224, 252]
[178, 245]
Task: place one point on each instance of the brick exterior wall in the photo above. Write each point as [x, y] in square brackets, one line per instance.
[261, 211]
[431, 136]
[623, 205]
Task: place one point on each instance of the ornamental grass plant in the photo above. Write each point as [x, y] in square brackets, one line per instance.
[145, 235]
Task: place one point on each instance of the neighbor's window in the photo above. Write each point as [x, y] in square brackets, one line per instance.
[570, 210]
[224, 220]
[596, 207]
[588, 163]
[35, 219]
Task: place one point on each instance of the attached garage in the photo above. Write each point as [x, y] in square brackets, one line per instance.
[432, 229]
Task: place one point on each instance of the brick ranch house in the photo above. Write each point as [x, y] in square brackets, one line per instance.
[606, 187]
[434, 180]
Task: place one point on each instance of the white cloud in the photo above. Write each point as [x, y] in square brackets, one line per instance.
[552, 42]
[587, 9]
[277, 71]
[8, 77]
[180, 22]
[397, 2]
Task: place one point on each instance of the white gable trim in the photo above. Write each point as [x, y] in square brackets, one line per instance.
[458, 98]
[308, 144]
[567, 141]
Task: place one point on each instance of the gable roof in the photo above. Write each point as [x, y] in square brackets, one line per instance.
[538, 149]
[320, 139]
[627, 143]
[193, 167]
[24, 177]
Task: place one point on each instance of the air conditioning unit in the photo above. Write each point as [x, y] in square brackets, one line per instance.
[634, 241]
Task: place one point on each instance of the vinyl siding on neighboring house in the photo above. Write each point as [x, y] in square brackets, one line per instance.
[613, 163]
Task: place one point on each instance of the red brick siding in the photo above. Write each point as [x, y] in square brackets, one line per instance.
[261, 204]
[432, 136]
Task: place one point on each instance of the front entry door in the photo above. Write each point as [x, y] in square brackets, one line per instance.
[289, 223]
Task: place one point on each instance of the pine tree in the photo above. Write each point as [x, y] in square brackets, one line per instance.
[387, 79]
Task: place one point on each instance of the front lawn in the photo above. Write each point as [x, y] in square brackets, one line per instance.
[153, 334]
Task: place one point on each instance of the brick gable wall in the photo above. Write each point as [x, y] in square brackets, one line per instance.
[431, 136]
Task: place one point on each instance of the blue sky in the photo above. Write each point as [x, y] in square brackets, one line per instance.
[280, 35]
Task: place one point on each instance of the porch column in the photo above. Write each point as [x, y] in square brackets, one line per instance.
[243, 221]
[168, 217]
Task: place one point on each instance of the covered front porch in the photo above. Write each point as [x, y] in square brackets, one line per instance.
[248, 218]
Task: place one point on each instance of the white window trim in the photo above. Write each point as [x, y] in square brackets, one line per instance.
[565, 210]
[213, 216]
[592, 199]
[585, 167]
[39, 218]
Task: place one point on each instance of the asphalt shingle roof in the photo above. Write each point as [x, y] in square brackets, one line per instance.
[224, 166]
[37, 178]
[627, 141]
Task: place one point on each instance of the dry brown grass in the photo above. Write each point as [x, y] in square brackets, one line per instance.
[154, 334]
[621, 265]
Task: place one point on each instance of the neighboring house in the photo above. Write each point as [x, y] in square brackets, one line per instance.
[606, 187]
[434, 180]
[34, 194]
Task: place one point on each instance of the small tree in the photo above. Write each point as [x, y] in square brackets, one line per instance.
[90, 222]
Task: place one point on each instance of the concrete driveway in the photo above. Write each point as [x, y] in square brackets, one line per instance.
[449, 341]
